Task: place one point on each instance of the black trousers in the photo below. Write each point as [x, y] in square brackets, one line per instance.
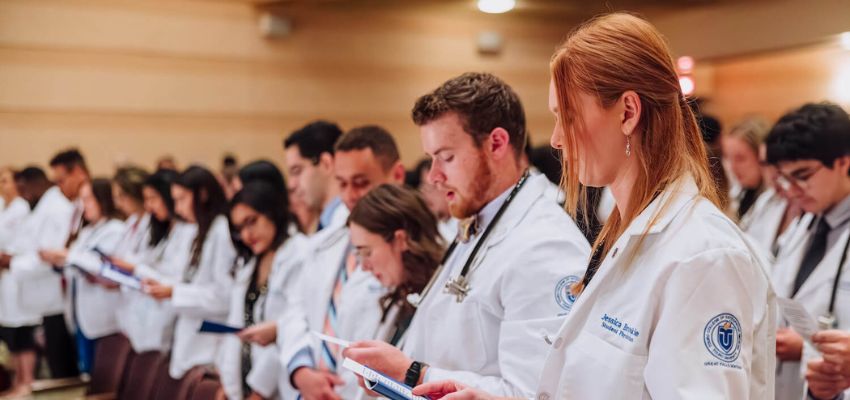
[59, 348]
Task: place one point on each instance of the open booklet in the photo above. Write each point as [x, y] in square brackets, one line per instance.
[380, 383]
[111, 272]
[120, 277]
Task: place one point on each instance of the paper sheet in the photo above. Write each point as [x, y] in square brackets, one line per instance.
[798, 317]
[330, 339]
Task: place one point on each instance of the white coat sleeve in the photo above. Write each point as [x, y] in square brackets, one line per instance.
[527, 293]
[107, 241]
[202, 297]
[700, 294]
[293, 331]
[229, 362]
[174, 257]
[53, 234]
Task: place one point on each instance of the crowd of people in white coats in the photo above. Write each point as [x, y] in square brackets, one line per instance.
[648, 254]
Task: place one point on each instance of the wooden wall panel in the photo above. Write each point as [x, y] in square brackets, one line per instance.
[771, 84]
[129, 80]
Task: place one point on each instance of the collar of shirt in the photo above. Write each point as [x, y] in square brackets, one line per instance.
[328, 213]
[488, 212]
[839, 214]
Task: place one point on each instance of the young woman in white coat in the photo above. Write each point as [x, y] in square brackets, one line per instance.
[741, 153]
[128, 194]
[674, 304]
[197, 295]
[266, 273]
[15, 208]
[167, 247]
[89, 298]
[396, 237]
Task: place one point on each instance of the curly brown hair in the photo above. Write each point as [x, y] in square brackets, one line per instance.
[389, 208]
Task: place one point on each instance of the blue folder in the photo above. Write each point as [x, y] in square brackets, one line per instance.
[215, 327]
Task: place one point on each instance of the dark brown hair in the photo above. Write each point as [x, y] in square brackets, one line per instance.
[374, 138]
[389, 208]
[482, 101]
[101, 188]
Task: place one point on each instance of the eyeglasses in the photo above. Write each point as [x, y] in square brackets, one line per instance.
[799, 180]
[362, 253]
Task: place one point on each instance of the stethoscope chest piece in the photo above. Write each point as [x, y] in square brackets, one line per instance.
[458, 286]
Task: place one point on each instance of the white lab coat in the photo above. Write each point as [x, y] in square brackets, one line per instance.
[648, 325]
[134, 238]
[95, 304]
[267, 377]
[814, 295]
[30, 289]
[385, 332]
[518, 288]
[358, 312]
[11, 219]
[204, 297]
[761, 222]
[149, 323]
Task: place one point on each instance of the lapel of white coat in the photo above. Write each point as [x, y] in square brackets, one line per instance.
[330, 254]
[825, 272]
[788, 260]
[662, 210]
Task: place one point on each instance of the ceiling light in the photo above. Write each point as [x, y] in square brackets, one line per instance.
[496, 6]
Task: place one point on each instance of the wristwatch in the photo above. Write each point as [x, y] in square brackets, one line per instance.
[411, 378]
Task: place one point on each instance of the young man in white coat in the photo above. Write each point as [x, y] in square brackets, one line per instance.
[69, 172]
[29, 288]
[337, 297]
[811, 149]
[310, 172]
[504, 288]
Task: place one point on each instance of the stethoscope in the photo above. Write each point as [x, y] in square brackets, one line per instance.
[459, 286]
[828, 320]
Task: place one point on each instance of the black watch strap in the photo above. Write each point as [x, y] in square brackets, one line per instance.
[411, 378]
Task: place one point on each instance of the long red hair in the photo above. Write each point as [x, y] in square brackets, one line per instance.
[605, 57]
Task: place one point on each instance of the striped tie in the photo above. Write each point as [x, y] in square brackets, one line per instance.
[330, 351]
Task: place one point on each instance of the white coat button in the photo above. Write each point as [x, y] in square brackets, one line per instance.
[543, 396]
[558, 342]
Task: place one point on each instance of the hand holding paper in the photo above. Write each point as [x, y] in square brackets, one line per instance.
[380, 356]
[380, 383]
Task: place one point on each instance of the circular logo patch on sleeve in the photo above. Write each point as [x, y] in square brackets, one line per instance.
[722, 337]
[563, 295]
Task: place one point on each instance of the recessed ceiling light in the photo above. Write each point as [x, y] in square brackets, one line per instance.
[496, 6]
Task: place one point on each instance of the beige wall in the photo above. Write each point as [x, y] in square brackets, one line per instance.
[770, 84]
[130, 80]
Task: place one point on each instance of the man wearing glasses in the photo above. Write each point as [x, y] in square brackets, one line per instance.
[810, 147]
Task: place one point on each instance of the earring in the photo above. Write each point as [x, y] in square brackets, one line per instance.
[628, 145]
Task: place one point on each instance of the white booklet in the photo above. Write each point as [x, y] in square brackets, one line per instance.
[380, 383]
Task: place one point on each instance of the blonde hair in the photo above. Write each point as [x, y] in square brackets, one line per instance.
[605, 57]
[752, 130]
